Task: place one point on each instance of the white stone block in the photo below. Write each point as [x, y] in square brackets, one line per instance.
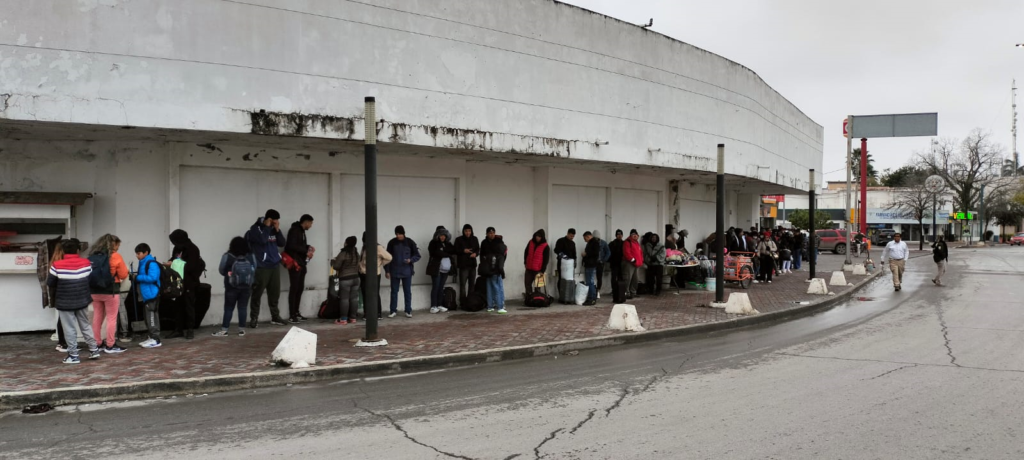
[739, 304]
[298, 345]
[817, 287]
[625, 318]
[838, 279]
[847, 268]
[859, 270]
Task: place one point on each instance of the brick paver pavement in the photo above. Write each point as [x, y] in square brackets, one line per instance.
[29, 362]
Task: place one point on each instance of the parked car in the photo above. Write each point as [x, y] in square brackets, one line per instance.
[1017, 240]
[832, 240]
[882, 237]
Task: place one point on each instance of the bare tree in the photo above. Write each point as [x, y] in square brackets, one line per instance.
[914, 200]
[966, 166]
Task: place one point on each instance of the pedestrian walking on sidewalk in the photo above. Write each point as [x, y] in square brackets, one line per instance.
[301, 252]
[238, 267]
[264, 239]
[347, 266]
[440, 264]
[109, 271]
[404, 253]
[940, 253]
[896, 253]
[69, 277]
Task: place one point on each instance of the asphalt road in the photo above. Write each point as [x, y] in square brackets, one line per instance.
[929, 372]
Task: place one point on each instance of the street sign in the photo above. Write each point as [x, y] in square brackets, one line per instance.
[846, 122]
[934, 184]
[962, 216]
[896, 125]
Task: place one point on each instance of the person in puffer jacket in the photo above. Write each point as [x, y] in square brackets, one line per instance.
[632, 258]
[441, 263]
[535, 257]
[69, 277]
[404, 253]
[148, 281]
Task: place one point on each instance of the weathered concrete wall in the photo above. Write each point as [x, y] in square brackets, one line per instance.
[527, 76]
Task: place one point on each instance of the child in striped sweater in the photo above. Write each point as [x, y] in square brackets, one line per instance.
[70, 279]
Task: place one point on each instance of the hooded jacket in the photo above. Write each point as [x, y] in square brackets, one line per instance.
[401, 250]
[565, 249]
[592, 253]
[70, 277]
[462, 243]
[263, 242]
[654, 252]
[439, 250]
[631, 251]
[295, 245]
[536, 255]
[616, 248]
[187, 251]
[493, 255]
[148, 278]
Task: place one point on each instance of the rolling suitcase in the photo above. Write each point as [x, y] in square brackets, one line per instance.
[566, 291]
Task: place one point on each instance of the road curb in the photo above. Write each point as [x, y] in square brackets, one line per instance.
[178, 387]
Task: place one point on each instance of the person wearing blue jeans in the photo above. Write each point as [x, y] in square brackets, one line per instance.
[441, 263]
[404, 253]
[493, 253]
[238, 267]
[591, 260]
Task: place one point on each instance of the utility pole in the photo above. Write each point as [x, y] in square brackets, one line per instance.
[1013, 129]
[849, 184]
[720, 227]
[370, 304]
[812, 250]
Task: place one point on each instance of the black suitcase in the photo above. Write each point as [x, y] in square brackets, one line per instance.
[567, 292]
[619, 293]
[204, 293]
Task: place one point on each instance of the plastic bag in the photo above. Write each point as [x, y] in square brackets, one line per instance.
[568, 269]
[581, 293]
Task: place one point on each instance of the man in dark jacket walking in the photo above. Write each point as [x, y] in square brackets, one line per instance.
[615, 262]
[297, 248]
[940, 254]
[188, 252]
[264, 239]
[404, 253]
[467, 249]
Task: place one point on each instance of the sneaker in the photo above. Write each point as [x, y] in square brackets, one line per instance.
[114, 349]
[150, 343]
[94, 354]
[277, 322]
[253, 324]
[220, 333]
[408, 315]
[934, 282]
[434, 309]
[241, 332]
[293, 320]
[392, 314]
[490, 310]
[126, 338]
[590, 303]
[441, 309]
[189, 335]
[598, 295]
[352, 321]
[71, 360]
[301, 318]
[341, 322]
[62, 349]
[502, 311]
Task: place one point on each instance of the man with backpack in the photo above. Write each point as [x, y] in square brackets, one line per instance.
[492, 265]
[264, 238]
[238, 267]
[300, 252]
[148, 282]
[186, 251]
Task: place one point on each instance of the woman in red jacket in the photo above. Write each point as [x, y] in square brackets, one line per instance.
[536, 257]
[632, 258]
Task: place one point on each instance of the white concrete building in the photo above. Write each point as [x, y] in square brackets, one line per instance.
[517, 114]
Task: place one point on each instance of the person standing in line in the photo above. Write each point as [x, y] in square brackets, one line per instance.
[797, 249]
[264, 238]
[654, 256]
[106, 295]
[440, 264]
[238, 267]
[404, 253]
[767, 250]
[383, 258]
[940, 253]
[632, 258]
[301, 252]
[347, 266]
[615, 261]
[148, 281]
[606, 254]
[467, 249]
[591, 260]
[492, 266]
[57, 254]
[565, 248]
[536, 256]
[69, 277]
[896, 252]
[188, 252]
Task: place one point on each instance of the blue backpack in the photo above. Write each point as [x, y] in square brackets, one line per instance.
[243, 272]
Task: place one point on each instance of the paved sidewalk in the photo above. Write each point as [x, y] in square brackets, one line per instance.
[29, 362]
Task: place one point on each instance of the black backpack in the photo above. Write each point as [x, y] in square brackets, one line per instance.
[449, 299]
[171, 284]
[100, 279]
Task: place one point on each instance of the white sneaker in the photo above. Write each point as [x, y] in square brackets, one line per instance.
[441, 309]
[490, 309]
[598, 295]
[408, 315]
[433, 309]
[146, 342]
[392, 315]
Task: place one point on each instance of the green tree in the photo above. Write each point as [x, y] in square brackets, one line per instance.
[903, 176]
[872, 173]
[800, 218]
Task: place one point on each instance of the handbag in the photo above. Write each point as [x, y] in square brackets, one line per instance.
[289, 262]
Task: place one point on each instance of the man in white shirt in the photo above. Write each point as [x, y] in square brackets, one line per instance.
[896, 252]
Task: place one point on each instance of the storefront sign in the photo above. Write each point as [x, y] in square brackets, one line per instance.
[15, 262]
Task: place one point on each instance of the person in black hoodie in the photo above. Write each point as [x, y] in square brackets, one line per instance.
[492, 266]
[565, 248]
[442, 255]
[591, 260]
[188, 252]
[536, 257]
[297, 248]
[615, 262]
[467, 249]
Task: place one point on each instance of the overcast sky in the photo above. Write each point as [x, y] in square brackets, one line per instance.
[954, 57]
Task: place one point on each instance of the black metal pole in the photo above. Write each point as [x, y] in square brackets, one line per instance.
[935, 232]
[370, 307]
[810, 234]
[720, 228]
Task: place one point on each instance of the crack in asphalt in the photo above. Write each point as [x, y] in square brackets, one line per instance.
[891, 371]
[394, 423]
[590, 416]
[87, 425]
[552, 435]
[510, 457]
[945, 336]
[618, 402]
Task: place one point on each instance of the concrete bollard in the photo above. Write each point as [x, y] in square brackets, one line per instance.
[859, 270]
[838, 279]
[817, 287]
[739, 304]
[624, 318]
[297, 346]
[847, 268]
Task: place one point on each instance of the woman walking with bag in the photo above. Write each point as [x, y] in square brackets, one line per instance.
[767, 251]
[238, 267]
[347, 266]
[441, 252]
[105, 287]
